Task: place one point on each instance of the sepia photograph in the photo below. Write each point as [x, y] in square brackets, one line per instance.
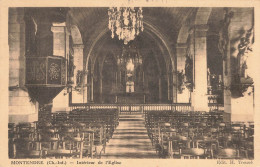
[130, 82]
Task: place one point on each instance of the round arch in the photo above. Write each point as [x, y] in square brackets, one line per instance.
[76, 35]
[153, 32]
[201, 18]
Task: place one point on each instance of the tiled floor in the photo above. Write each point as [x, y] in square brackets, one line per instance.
[130, 140]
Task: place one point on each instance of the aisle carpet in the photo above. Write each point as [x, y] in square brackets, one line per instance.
[130, 140]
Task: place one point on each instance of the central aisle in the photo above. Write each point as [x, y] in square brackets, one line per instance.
[130, 140]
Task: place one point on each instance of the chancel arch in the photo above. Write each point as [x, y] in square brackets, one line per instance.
[164, 53]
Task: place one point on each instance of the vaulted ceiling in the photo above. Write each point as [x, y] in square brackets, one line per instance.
[166, 20]
[159, 23]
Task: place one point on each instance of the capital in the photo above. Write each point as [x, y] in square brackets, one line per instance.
[58, 29]
[78, 46]
[59, 24]
[199, 30]
[181, 46]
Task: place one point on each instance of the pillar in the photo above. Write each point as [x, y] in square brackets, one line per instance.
[59, 39]
[160, 88]
[181, 50]
[168, 89]
[174, 87]
[227, 84]
[92, 87]
[78, 61]
[101, 88]
[120, 78]
[199, 99]
[143, 78]
[60, 43]
[85, 87]
[78, 84]
[116, 80]
[21, 108]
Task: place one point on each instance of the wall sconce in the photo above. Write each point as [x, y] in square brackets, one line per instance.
[221, 86]
[69, 90]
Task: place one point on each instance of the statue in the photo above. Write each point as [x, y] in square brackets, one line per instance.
[79, 77]
[223, 33]
[180, 84]
[209, 81]
[31, 34]
[71, 68]
[208, 77]
[189, 70]
[244, 48]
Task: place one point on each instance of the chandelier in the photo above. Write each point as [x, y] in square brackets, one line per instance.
[125, 22]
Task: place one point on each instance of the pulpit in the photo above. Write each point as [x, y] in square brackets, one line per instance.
[45, 77]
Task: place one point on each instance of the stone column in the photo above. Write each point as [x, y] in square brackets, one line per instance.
[181, 49]
[92, 88]
[78, 93]
[143, 78]
[227, 84]
[120, 78]
[160, 88]
[199, 99]
[174, 87]
[59, 39]
[16, 42]
[60, 43]
[85, 87]
[21, 108]
[44, 38]
[168, 84]
[78, 61]
[101, 87]
[116, 80]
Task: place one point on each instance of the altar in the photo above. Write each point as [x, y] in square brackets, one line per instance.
[130, 98]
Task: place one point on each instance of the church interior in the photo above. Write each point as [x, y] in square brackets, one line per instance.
[131, 82]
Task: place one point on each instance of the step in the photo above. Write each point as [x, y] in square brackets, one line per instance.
[132, 117]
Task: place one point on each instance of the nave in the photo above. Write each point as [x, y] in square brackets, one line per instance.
[108, 133]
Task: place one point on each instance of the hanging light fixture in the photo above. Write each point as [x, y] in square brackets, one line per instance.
[125, 22]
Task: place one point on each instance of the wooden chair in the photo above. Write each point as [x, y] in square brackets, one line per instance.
[227, 153]
[69, 144]
[190, 153]
[88, 144]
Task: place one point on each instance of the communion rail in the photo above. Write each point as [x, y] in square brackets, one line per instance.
[143, 107]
